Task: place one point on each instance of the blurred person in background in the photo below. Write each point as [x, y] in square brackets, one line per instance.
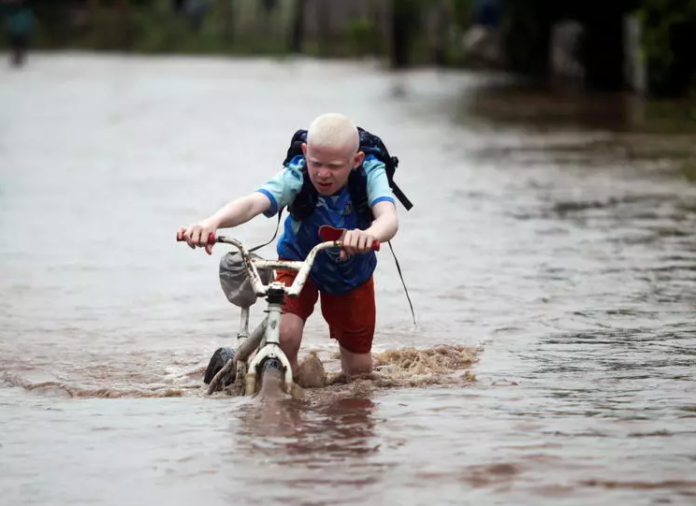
[19, 19]
[196, 11]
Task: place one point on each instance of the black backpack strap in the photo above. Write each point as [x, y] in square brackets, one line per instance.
[357, 189]
[295, 148]
[401, 197]
[306, 200]
[371, 144]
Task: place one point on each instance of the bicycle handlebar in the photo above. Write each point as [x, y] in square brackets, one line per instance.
[253, 264]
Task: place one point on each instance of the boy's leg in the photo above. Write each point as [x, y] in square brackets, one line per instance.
[355, 363]
[295, 314]
[351, 318]
[291, 329]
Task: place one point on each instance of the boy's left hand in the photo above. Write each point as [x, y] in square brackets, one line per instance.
[356, 241]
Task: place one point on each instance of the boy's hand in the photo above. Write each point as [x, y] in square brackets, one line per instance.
[356, 241]
[197, 235]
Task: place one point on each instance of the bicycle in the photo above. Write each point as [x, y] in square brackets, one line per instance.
[265, 339]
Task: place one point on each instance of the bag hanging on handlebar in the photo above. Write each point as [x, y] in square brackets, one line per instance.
[235, 282]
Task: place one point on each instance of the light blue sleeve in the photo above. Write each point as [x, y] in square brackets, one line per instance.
[282, 188]
[378, 188]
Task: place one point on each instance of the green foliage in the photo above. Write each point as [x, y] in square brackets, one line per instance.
[669, 39]
[149, 29]
[462, 13]
[408, 13]
[363, 36]
[688, 169]
[233, 27]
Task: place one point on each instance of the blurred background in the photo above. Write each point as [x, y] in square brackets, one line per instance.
[641, 45]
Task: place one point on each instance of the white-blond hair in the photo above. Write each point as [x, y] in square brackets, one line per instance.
[334, 131]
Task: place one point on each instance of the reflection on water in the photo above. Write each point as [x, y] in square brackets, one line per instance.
[550, 255]
[541, 106]
[307, 434]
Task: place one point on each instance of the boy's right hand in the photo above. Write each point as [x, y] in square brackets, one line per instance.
[197, 235]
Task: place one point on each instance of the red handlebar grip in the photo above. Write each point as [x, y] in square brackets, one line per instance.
[211, 238]
[375, 245]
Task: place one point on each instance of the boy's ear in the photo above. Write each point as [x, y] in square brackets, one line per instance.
[358, 159]
[304, 148]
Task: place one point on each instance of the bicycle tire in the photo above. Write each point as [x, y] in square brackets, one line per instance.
[216, 363]
[271, 378]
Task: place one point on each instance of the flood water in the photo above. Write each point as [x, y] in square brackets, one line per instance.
[560, 248]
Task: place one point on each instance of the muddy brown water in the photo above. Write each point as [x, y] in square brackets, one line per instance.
[558, 256]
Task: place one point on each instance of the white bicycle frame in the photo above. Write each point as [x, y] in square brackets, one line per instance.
[267, 335]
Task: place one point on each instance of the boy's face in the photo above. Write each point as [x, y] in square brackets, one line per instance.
[329, 167]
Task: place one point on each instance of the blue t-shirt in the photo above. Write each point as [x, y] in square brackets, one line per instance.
[329, 273]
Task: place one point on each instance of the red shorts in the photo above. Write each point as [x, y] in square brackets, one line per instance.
[351, 316]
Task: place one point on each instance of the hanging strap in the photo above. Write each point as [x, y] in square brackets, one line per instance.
[398, 268]
[280, 215]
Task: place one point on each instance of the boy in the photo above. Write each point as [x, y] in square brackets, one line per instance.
[331, 161]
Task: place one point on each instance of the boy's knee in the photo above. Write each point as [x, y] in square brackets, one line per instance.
[291, 328]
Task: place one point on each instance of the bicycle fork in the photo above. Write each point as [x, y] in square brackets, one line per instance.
[270, 346]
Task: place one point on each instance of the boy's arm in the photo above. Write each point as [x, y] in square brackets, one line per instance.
[240, 211]
[379, 195]
[386, 222]
[231, 215]
[383, 228]
[273, 195]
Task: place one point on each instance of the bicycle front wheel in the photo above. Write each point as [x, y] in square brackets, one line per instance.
[272, 379]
